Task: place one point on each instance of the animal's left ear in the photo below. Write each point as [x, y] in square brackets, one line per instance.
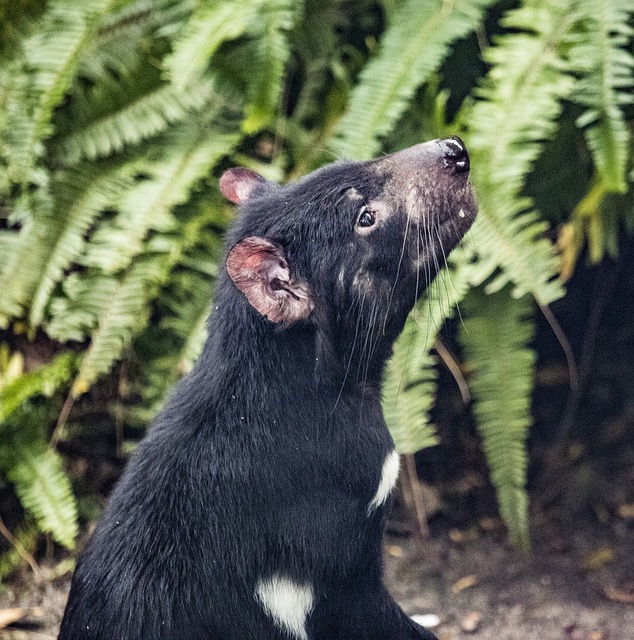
[259, 269]
[237, 184]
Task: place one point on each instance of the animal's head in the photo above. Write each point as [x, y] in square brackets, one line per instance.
[351, 246]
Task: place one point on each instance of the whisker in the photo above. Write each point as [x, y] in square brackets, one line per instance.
[398, 268]
[368, 348]
[352, 350]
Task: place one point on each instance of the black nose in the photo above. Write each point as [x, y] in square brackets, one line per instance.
[455, 154]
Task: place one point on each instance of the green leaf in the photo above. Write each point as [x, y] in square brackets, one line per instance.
[406, 404]
[191, 156]
[212, 24]
[519, 102]
[271, 51]
[42, 78]
[55, 237]
[605, 66]
[116, 114]
[410, 382]
[414, 45]
[45, 381]
[130, 34]
[44, 490]
[188, 154]
[124, 314]
[496, 334]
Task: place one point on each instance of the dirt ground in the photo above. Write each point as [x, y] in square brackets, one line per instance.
[477, 586]
[483, 589]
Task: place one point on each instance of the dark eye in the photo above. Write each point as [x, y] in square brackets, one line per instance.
[367, 218]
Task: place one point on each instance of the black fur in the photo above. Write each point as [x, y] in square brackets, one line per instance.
[266, 457]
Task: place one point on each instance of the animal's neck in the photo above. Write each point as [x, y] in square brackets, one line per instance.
[247, 354]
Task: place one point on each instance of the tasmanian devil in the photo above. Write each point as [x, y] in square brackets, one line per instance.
[255, 507]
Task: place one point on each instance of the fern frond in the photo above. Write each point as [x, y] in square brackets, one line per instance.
[519, 103]
[51, 56]
[170, 349]
[496, 334]
[44, 381]
[411, 49]
[437, 305]
[406, 404]
[188, 154]
[271, 50]
[174, 178]
[44, 490]
[124, 314]
[37, 472]
[166, 365]
[189, 315]
[211, 24]
[54, 238]
[410, 384]
[8, 244]
[118, 113]
[85, 298]
[125, 34]
[517, 247]
[606, 84]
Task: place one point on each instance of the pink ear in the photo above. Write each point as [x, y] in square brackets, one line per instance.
[258, 268]
[237, 184]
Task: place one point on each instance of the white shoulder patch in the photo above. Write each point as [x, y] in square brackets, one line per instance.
[287, 602]
[389, 475]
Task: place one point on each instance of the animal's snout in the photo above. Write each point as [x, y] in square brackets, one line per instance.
[455, 154]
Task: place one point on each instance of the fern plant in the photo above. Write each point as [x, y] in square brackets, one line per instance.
[413, 46]
[533, 71]
[605, 85]
[35, 470]
[114, 114]
[496, 335]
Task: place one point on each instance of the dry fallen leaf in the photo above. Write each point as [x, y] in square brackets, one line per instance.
[9, 616]
[464, 583]
[626, 511]
[460, 536]
[471, 622]
[491, 523]
[598, 558]
[394, 550]
[618, 595]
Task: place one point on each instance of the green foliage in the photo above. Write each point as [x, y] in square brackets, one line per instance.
[605, 85]
[122, 112]
[496, 334]
[519, 102]
[115, 114]
[41, 76]
[407, 400]
[15, 391]
[36, 471]
[270, 52]
[44, 488]
[54, 238]
[410, 383]
[412, 47]
[26, 537]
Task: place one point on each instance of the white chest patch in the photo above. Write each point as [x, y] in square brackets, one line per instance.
[287, 602]
[389, 475]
